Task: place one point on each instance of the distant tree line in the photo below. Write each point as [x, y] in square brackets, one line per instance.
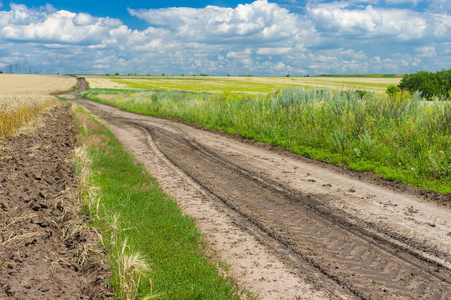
[430, 84]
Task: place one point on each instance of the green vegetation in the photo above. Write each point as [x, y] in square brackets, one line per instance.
[244, 84]
[155, 250]
[200, 84]
[365, 76]
[429, 84]
[401, 138]
[392, 90]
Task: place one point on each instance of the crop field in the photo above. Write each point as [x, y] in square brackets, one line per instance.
[35, 84]
[239, 84]
[24, 97]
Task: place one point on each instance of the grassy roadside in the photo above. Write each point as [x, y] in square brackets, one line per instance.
[154, 249]
[401, 138]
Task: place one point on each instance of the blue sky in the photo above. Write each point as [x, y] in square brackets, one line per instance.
[221, 37]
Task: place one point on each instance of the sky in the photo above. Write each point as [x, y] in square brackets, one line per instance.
[225, 37]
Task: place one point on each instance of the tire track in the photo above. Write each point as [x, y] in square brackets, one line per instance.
[362, 264]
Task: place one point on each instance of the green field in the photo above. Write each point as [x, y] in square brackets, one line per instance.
[240, 84]
[366, 75]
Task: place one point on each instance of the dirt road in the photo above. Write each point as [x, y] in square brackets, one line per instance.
[293, 228]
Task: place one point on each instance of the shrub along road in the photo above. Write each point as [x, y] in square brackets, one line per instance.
[272, 214]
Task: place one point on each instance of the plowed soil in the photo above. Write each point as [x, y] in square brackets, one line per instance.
[294, 228]
[45, 251]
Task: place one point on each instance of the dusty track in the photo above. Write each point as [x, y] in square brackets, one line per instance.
[344, 237]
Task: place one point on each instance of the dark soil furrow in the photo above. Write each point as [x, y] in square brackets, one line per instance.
[45, 250]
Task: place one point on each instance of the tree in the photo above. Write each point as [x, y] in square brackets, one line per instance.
[429, 84]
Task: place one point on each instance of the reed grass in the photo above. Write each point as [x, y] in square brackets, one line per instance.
[401, 138]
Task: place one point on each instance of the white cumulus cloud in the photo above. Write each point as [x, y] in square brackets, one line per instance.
[259, 38]
[426, 51]
[259, 21]
[275, 50]
[49, 25]
[371, 22]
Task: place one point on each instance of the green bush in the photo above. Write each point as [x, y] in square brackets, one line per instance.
[393, 89]
[429, 84]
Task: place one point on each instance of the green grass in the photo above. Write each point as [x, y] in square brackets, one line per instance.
[401, 138]
[359, 84]
[151, 223]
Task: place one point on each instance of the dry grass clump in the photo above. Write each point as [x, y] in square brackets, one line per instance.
[131, 267]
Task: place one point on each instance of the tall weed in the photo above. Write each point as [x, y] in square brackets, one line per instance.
[401, 137]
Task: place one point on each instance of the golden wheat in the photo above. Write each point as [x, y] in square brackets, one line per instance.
[35, 84]
[16, 111]
[24, 97]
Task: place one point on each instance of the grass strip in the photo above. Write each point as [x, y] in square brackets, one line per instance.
[136, 218]
[400, 138]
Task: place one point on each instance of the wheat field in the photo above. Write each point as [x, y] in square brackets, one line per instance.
[25, 97]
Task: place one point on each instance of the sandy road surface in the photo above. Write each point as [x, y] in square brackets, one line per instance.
[290, 227]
